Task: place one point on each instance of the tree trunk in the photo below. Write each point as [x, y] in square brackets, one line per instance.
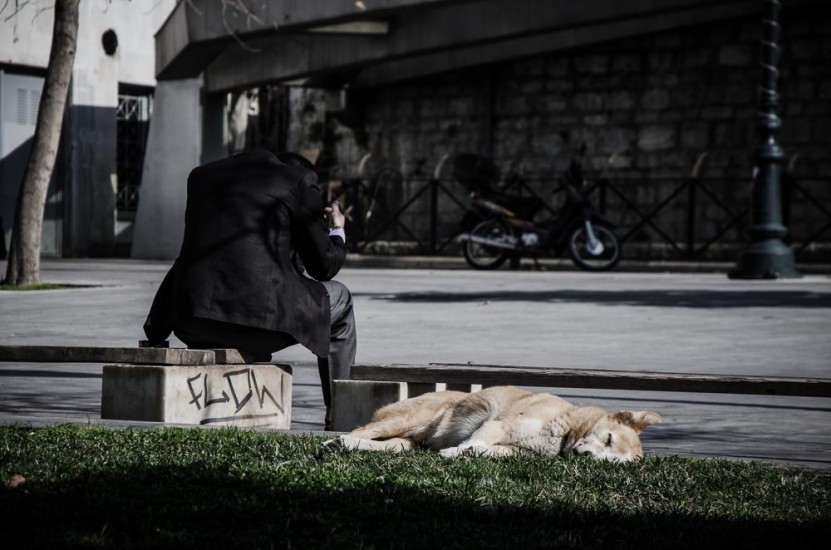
[24, 254]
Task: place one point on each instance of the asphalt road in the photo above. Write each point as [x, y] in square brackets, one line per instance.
[662, 322]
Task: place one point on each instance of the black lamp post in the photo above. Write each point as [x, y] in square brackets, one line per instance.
[767, 256]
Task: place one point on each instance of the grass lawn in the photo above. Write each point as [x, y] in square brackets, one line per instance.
[229, 488]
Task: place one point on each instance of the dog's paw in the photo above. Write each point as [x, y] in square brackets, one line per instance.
[451, 452]
[332, 444]
[464, 450]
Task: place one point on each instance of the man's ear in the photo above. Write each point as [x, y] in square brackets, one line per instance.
[638, 420]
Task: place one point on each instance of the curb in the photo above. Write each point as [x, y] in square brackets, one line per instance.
[359, 261]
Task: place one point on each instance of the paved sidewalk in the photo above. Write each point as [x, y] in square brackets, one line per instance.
[655, 321]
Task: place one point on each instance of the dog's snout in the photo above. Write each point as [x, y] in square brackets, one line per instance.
[583, 451]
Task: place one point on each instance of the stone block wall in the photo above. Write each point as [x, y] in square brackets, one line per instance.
[646, 107]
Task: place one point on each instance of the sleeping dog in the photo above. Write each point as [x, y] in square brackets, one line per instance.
[501, 420]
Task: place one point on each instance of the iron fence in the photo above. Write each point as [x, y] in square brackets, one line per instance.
[687, 218]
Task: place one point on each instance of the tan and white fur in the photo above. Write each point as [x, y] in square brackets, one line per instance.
[501, 420]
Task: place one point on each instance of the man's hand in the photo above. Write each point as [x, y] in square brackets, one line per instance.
[334, 215]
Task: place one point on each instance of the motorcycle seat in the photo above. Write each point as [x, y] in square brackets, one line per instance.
[522, 206]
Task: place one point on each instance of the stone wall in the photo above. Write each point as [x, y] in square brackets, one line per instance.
[647, 108]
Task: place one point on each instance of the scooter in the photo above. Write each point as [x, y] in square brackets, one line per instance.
[507, 229]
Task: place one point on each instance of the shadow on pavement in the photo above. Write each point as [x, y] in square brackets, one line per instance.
[651, 298]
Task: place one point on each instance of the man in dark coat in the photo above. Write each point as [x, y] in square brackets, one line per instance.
[237, 282]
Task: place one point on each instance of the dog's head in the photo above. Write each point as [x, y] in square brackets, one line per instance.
[614, 436]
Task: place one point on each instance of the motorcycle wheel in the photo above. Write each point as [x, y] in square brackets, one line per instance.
[480, 256]
[580, 254]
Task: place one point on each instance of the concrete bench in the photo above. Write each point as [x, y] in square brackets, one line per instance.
[373, 386]
[176, 385]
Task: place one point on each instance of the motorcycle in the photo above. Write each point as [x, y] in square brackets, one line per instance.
[506, 228]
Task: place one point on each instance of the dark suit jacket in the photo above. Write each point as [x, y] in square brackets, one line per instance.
[246, 217]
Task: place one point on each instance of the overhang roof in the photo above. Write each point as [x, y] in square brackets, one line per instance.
[241, 43]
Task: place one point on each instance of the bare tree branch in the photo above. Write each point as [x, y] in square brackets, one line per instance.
[18, 7]
[41, 10]
[232, 32]
[192, 6]
[155, 5]
[240, 6]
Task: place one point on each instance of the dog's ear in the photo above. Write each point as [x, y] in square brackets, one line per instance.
[638, 420]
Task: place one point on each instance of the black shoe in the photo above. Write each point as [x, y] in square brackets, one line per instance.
[327, 420]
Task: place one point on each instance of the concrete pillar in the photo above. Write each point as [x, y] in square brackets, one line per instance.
[230, 395]
[214, 127]
[355, 401]
[174, 148]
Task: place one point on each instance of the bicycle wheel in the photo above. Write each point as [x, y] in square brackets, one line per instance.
[604, 256]
[482, 256]
[377, 200]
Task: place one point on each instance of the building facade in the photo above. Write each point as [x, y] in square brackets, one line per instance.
[92, 198]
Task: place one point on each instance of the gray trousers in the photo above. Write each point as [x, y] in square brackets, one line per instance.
[208, 334]
[343, 342]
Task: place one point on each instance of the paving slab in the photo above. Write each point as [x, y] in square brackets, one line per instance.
[681, 322]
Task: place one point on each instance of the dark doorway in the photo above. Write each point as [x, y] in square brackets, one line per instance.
[135, 106]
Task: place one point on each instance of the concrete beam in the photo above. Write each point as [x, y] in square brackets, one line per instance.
[371, 28]
[410, 68]
[440, 29]
[197, 30]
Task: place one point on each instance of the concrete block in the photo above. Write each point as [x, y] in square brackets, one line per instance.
[661, 61]
[695, 135]
[592, 63]
[614, 140]
[620, 100]
[231, 395]
[558, 66]
[230, 356]
[529, 67]
[550, 102]
[588, 102]
[627, 63]
[470, 388]
[600, 119]
[654, 138]
[668, 40]
[414, 389]
[80, 354]
[355, 401]
[655, 99]
[735, 55]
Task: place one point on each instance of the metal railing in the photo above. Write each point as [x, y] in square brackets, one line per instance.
[686, 216]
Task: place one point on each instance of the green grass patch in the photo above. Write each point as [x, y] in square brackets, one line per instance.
[229, 488]
[39, 286]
